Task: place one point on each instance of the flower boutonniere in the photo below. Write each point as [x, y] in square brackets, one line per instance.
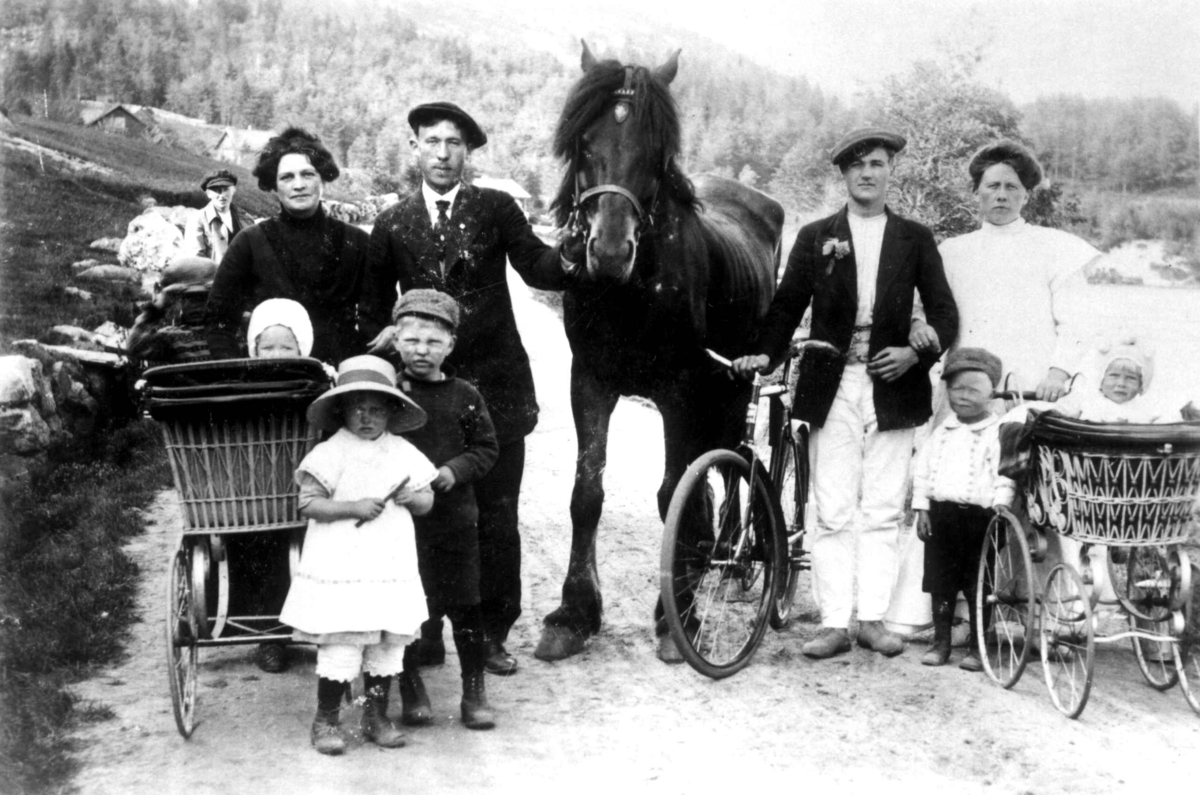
[837, 249]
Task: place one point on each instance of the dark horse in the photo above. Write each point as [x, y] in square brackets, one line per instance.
[673, 266]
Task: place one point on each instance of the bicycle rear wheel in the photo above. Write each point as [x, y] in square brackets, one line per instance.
[720, 556]
[793, 495]
[1005, 594]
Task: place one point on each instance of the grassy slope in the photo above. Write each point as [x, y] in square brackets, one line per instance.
[66, 587]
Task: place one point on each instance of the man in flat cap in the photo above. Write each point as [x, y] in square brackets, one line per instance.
[210, 230]
[857, 269]
[455, 237]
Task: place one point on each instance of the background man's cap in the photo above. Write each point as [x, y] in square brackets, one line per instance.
[428, 303]
[853, 140]
[218, 179]
[433, 112]
[979, 359]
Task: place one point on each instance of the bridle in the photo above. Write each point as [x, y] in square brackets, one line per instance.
[577, 221]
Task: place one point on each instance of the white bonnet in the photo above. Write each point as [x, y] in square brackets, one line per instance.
[1128, 346]
[280, 312]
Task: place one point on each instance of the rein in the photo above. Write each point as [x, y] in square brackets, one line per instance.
[577, 220]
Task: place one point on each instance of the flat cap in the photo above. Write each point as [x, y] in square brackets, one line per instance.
[979, 359]
[427, 303]
[853, 141]
[433, 112]
[218, 179]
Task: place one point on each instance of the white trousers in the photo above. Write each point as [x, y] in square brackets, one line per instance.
[859, 479]
[342, 662]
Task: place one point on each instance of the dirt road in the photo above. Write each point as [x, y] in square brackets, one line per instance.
[615, 719]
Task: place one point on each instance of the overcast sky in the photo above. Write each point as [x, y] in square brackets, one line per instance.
[1031, 48]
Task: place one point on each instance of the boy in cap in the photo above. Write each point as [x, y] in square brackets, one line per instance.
[170, 328]
[954, 489]
[209, 231]
[858, 269]
[460, 441]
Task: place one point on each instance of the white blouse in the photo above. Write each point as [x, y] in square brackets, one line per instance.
[958, 463]
[1021, 294]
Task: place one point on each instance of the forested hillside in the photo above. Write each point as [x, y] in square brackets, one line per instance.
[350, 71]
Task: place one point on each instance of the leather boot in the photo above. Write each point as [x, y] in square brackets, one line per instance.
[324, 734]
[375, 724]
[938, 652]
[476, 713]
[415, 709]
[973, 661]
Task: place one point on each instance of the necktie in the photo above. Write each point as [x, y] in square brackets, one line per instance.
[441, 227]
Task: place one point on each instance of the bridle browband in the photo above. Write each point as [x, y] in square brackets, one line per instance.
[625, 95]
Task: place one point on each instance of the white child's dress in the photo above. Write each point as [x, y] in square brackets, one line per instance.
[355, 583]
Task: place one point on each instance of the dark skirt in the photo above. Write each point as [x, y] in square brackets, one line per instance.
[954, 547]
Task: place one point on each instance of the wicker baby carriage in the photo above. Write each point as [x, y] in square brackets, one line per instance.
[235, 432]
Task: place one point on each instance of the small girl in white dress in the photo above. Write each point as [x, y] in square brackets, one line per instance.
[357, 593]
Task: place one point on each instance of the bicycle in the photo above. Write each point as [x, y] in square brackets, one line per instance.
[732, 547]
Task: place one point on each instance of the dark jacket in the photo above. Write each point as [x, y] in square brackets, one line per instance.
[487, 228]
[322, 269]
[908, 258]
[458, 434]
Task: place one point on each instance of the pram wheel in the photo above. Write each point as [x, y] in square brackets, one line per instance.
[1067, 640]
[181, 637]
[1004, 600]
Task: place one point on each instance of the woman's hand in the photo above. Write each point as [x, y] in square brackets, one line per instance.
[891, 363]
[384, 340]
[1054, 385]
[445, 479]
[923, 339]
[747, 366]
[924, 528]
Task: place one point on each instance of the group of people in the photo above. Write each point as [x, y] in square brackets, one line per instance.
[412, 500]
[1005, 299]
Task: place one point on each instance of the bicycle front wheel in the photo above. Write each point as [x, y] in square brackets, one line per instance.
[793, 496]
[720, 556]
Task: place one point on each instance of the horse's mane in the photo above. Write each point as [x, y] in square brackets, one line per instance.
[653, 110]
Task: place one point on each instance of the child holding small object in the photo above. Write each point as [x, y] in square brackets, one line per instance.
[954, 488]
[357, 591]
[460, 440]
[279, 328]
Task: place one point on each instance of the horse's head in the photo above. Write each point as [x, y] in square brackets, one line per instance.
[619, 133]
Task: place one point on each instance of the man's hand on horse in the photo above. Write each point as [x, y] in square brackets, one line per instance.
[384, 341]
[747, 366]
[574, 251]
[891, 363]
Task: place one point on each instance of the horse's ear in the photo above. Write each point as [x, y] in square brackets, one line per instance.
[588, 61]
[666, 73]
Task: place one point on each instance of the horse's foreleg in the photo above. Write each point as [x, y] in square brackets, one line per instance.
[579, 614]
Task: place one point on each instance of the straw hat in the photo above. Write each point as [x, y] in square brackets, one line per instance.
[365, 374]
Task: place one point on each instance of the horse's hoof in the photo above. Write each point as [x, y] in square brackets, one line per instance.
[668, 652]
[558, 643]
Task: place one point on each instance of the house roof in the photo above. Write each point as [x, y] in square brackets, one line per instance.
[244, 140]
[502, 183]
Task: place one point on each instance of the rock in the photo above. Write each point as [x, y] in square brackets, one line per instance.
[82, 295]
[152, 242]
[69, 335]
[84, 264]
[110, 273]
[18, 384]
[23, 431]
[110, 334]
[112, 244]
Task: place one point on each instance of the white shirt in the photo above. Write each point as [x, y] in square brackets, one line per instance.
[959, 463]
[867, 237]
[432, 197]
[1021, 294]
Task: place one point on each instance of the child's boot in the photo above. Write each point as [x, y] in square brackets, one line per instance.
[973, 662]
[943, 615]
[476, 713]
[415, 709]
[375, 724]
[326, 737]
